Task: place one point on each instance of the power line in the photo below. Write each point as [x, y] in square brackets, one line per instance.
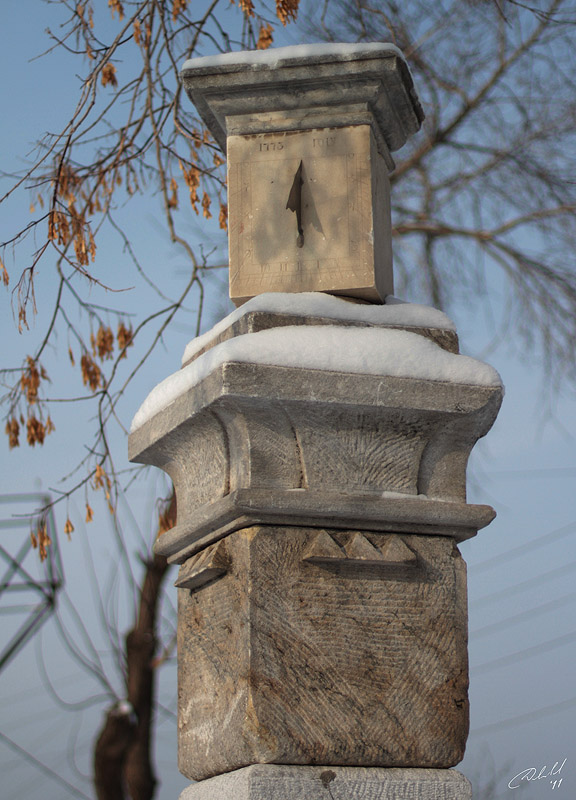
[553, 605]
[521, 719]
[536, 649]
[522, 549]
[42, 767]
[528, 584]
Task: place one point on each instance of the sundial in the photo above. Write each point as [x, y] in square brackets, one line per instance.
[308, 132]
[318, 457]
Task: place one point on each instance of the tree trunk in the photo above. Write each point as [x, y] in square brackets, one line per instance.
[110, 751]
[140, 651]
[122, 758]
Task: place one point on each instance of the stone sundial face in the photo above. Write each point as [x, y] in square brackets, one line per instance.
[308, 211]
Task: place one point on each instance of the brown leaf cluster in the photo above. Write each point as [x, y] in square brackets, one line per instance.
[178, 6]
[41, 540]
[103, 347]
[192, 180]
[58, 227]
[68, 528]
[137, 32]
[173, 199]
[223, 216]
[36, 430]
[30, 380]
[63, 227]
[13, 432]
[102, 343]
[84, 247]
[105, 184]
[22, 321]
[79, 10]
[89, 513]
[265, 37]
[109, 75]
[68, 183]
[206, 206]
[5, 276]
[287, 10]
[93, 203]
[116, 7]
[138, 38]
[247, 7]
[125, 337]
[91, 372]
[102, 481]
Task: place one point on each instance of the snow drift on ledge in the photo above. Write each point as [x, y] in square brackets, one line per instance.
[342, 51]
[369, 351]
[318, 304]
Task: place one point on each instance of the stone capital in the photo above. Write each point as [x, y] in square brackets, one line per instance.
[304, 87]
[291, 445]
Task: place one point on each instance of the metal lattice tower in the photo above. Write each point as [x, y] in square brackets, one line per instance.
[28, 588]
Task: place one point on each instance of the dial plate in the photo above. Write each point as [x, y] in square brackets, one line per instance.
[338, 195]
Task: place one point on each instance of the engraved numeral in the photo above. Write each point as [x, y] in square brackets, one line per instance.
[266, 147]
[325, 141]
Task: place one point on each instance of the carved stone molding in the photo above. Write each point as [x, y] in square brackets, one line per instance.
[255, 443]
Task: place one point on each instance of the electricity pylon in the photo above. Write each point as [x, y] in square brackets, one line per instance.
[28, 587]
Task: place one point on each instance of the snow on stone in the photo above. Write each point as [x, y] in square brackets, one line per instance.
[371, 351]
[318, 304]
[276, 55]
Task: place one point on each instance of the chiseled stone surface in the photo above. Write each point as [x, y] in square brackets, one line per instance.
[345, 246]
[276, 782]
[310, 646]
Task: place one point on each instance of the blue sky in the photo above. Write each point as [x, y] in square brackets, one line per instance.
[521, 568]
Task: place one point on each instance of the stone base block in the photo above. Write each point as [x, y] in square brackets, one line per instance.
[275, 782]
[301, 646]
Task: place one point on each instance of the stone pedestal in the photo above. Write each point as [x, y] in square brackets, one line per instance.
[322, 597]
[273, 782]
